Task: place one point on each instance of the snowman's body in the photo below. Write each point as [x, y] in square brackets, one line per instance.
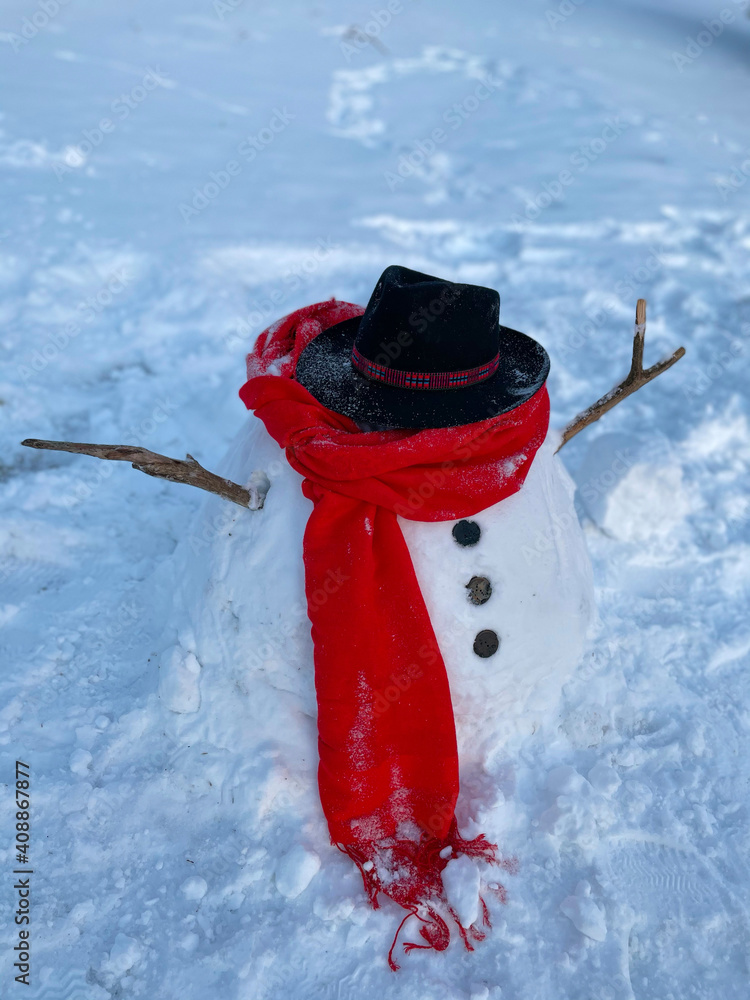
[241, 670]
[236, 684]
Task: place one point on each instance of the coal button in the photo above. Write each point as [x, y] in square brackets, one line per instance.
[486, 643]
[467, 532]
[480, 590]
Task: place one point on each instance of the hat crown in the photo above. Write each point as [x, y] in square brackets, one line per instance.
[418, 332]
[415, 322]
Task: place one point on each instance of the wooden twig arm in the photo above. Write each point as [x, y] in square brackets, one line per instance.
[186, 471]
[636, 377]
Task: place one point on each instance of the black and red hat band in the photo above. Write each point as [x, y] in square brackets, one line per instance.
[424, 380]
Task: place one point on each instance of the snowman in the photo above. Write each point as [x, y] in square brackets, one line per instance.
[408, 588]
[416, 518]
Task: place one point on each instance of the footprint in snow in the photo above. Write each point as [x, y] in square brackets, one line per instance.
[677, 918]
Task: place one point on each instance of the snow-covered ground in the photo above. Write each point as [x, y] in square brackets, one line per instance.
[573, 155]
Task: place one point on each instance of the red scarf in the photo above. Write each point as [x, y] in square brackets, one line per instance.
[388, 772]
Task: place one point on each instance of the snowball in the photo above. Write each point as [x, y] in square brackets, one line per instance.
[75, 798]
[82, 912]
[329, 904]
[565, 780]
[695, 739]
[7, 611]
[632, 486]
[584, 914]
[194, 887]
[79, 761]
[648, 503]
[606, 462]
[604, 778]
[295, 870]
[124, 954]
[179, 675]
[189, 942]
[461, 881]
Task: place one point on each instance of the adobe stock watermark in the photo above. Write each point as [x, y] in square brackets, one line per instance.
[89, 310]
[586, 154]
[126, 618]
[262, 311]
[546, 539]
[609, 650]
[85, 487]
[720, 363]
[736, 179]
[455, 116]
[560, 14]
[224, 7]
[421, 318]
[122, 107]
[399, 682]
[626, 289]
[361, 36]
[260, 480]
[248, 149]
[712, 28]
[46, 11]
[391, 350]
[269, 640]
[434, 479]
[599, 485]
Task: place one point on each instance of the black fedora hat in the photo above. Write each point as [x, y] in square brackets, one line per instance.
[425, 353]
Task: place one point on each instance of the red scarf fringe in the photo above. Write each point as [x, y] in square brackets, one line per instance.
[417, 884]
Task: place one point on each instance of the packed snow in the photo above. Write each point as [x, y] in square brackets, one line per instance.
[178, 175]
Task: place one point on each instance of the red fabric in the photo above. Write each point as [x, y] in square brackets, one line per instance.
[388, 771]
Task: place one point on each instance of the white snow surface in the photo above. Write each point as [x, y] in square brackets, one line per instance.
[158, 838]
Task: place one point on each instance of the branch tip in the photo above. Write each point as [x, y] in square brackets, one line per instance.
[637, 376]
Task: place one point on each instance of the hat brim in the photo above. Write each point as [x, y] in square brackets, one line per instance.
[325, 369]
